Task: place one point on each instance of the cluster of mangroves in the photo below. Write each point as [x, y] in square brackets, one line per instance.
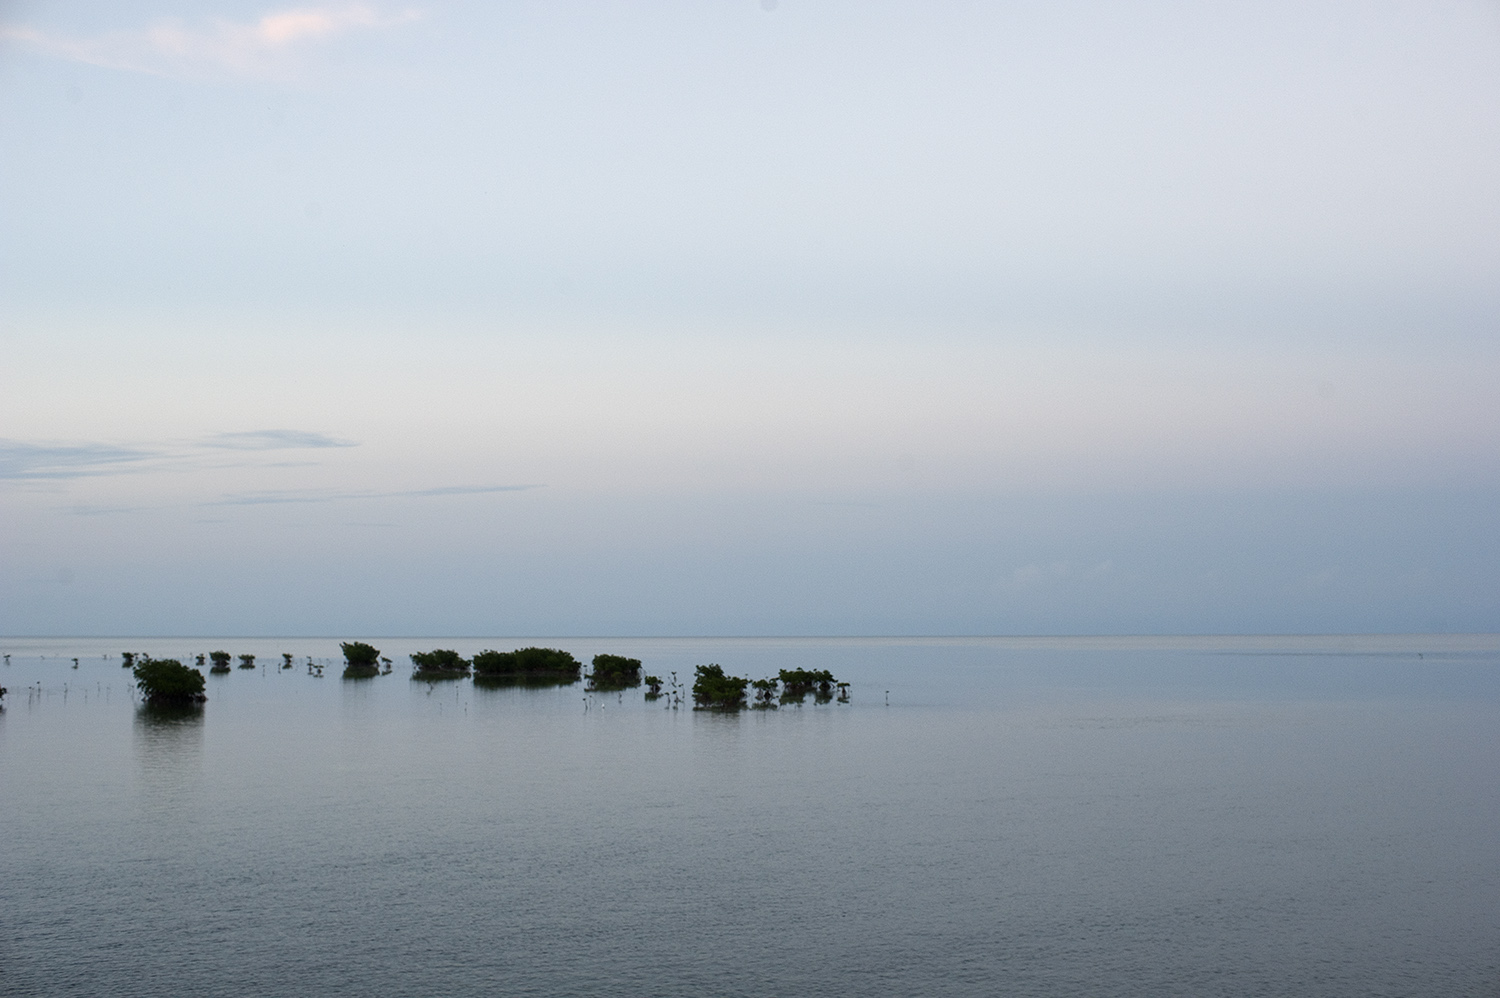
[170, 681]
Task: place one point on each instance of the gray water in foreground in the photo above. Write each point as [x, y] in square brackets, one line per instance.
[1295, 816]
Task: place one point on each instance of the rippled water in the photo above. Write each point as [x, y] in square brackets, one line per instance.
[1111, 817]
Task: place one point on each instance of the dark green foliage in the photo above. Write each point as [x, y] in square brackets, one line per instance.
[712, 690]
[440, 663]
[286, 660]
[796, 684]
[528, 664]
[653, 687]
[615, 672]
[200, 660]
[220, 660]
[247, 661]
[129, 658]
[361, 661]
[168, 681]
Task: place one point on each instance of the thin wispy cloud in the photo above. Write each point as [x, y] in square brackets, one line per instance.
[261, 48]
[23, 461]
[337, 495]
[36, 460]
[274, 440]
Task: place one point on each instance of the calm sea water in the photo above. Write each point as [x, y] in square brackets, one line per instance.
[1014, 817]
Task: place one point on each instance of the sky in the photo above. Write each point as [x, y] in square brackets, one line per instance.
[737, 317]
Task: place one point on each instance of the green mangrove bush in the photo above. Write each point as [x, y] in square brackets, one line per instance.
[440, 663]
[614, 672]
[796, 684]
[712, 690]
[527, 665]
[361, 661]
[220, 661]
[167, 681]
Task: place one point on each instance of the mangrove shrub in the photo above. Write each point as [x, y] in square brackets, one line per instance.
[168, 681]
[712, 690]
[796, 684]
[544, 665]
[440, 663]
[220, 660]
[361, 661]
[615, 672]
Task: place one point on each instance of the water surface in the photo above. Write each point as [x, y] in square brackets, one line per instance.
[988, 816]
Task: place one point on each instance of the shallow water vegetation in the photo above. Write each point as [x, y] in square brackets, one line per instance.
[765, 694]
[167, 681]
[440, 663]
[615, 672]
[528, 666]
[247, 661]
[361, 661]
[128, 659]
[796, 684]
[653, 687]
[286, 660]
[220, 660]
[713, 690]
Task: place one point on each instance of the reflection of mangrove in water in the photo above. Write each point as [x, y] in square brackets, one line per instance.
[169, 716]
[484, 682]
[168, 740]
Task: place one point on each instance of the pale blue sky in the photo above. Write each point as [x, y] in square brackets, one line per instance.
[702, 318]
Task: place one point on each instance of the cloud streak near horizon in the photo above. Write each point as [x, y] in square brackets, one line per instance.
[173, 48]
[22, 460]
[334, 495]
[274, 440]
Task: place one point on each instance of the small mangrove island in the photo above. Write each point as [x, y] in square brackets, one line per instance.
[712, 690]
[361, 661]
[440, 663]
[615, 672]
[531, 666]
[167, 682]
